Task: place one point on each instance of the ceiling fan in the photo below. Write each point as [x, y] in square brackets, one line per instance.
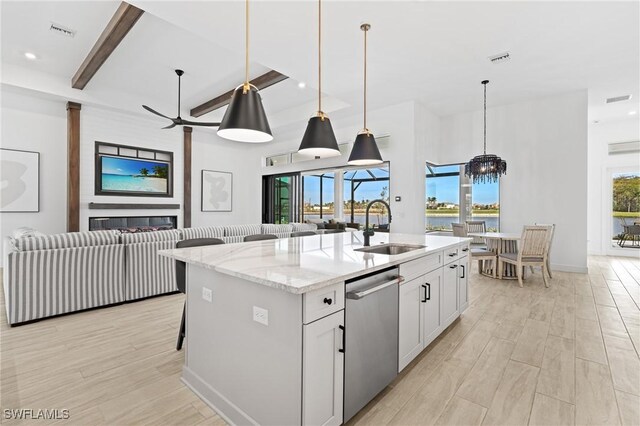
[179, 121]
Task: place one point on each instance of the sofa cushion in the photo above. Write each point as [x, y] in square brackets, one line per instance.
[147, 237]
[242, 230]
[297, 227]
[67, 240]
[204, 232]
[276, 229]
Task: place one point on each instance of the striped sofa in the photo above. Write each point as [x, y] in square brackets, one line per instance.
[57, 274]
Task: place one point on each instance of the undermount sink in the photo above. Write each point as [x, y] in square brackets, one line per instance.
[390, 249]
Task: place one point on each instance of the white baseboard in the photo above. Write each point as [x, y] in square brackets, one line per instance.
[229, 412]
[569, 268]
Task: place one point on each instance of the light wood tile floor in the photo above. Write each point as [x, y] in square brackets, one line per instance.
[563, 355]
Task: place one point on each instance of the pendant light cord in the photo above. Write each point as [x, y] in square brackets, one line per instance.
[484, 83]
[320, 59]
[365, 29]
[246, 50]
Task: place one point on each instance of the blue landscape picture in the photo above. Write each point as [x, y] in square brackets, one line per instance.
[134, 175]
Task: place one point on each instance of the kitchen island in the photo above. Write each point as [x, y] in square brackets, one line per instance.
[266, 320]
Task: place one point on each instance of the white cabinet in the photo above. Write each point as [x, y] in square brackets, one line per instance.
[432, 317]
[449, 296]
[463, 284]
[322, 371]
[410, 337]
[419, 315]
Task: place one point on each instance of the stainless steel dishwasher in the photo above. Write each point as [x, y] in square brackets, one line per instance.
[371, 337]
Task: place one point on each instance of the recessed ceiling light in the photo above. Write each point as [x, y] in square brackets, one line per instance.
[30, 55]
[633, 112]
[302, 85]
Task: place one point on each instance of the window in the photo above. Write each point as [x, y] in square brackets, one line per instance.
[361, 185]
[281, 198]
[318, 196]
[451, 197]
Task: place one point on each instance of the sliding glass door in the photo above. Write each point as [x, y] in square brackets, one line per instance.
[281, 198]
[625, 208]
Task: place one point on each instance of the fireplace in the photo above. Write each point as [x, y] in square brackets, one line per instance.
[131, 224]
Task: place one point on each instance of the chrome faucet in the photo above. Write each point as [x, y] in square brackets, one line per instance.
[369, 232]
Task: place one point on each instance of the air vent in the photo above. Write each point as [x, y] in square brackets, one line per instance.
[618, 99]
[624, 147]
[59, 29]
[500, 57]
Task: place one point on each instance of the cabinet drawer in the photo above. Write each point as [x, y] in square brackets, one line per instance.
[451, 255]
[417, 267]
[322, 302]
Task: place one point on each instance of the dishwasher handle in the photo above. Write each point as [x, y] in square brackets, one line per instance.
[356, 295]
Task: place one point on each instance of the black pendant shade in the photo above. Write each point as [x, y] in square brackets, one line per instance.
[245, 119]
[485, 168]
[319, 139]
[365, 151]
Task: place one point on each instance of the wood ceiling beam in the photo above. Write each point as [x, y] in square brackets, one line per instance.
[262, 82]
[122, 21]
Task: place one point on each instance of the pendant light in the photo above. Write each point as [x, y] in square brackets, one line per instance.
[486, 167]
[245, 119]
[365, 150]
[319, 140]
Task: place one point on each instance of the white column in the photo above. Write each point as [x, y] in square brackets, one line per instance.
[338, 194]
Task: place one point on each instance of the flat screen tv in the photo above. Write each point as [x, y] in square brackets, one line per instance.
[116, 175]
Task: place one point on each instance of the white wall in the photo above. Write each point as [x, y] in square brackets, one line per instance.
[38, 124]
[102, 125]
[599, 208]
[545, 145]
[406, 151]
[210, 152]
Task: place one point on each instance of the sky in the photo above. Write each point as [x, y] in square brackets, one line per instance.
[366, 190]
[125, 166]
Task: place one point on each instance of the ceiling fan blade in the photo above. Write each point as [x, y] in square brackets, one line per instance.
[195, 123]
[151, 110]
[170, 126]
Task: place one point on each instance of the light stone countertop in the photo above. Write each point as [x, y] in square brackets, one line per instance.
[299, 265]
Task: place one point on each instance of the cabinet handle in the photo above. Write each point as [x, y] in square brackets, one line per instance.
[341, 327]
[465, 249]
[452, 254]
[425, 293]
[427, 296]
[462, 266]
[453, 266]
[328, 300]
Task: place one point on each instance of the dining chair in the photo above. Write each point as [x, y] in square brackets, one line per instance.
[459, 229]
[303, 233]
[532, 251]
[477, 226]
[259, 237]
[553, 230]
[480, 254]
[181, 277]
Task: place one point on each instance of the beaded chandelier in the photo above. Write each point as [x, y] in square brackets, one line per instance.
[486, 167]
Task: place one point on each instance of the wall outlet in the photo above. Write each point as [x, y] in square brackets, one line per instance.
[207, 294]
[261, 315]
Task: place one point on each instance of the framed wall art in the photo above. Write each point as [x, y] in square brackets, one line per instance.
[20, 176]
[217, 191]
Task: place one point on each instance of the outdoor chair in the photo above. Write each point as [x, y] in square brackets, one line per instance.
[532, 251]
[630, 233]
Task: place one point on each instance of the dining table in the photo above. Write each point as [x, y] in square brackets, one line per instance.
[499, 242]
